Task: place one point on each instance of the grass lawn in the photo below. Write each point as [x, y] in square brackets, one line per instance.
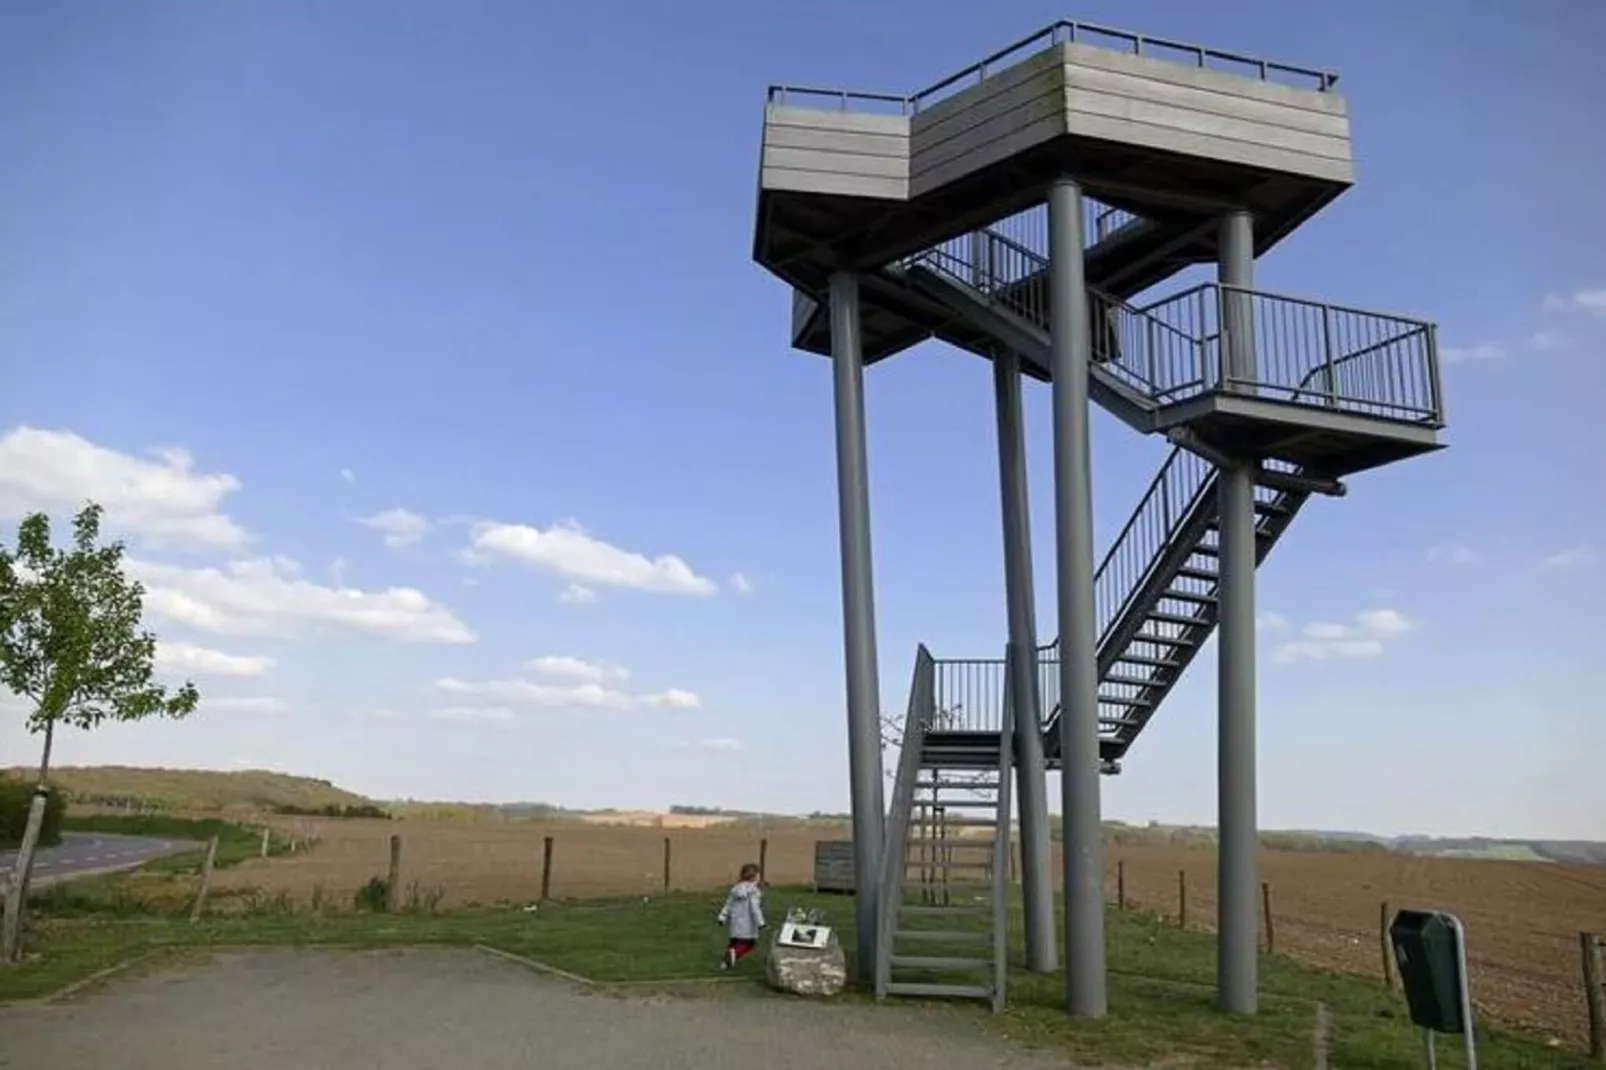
[1161, 985]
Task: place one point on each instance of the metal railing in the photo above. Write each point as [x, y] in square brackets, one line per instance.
[1028, 229]
[1142, 351]
[1307, 352]
[893, 863]
[1087, 33]
[1171, 496]
[969, 694]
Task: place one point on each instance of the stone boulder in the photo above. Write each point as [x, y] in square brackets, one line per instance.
[808, 971]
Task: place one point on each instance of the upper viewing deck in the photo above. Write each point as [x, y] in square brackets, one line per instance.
[1171, 133]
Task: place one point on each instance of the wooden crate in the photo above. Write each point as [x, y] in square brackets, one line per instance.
[833, 866]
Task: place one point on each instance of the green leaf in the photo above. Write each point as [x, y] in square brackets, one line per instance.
[70, 635]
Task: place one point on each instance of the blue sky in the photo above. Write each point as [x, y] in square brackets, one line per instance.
[450, 311]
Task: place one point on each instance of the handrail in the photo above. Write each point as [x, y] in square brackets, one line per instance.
[1070, 30]
[893, 862]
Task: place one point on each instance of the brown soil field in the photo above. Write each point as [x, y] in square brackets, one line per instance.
[1522, 918]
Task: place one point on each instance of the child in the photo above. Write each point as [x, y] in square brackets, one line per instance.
[743, 916]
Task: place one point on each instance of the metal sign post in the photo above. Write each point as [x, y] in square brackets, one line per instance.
[1430, 948]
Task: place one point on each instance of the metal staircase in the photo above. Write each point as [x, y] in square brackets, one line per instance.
[1334, 391]
[945, 878]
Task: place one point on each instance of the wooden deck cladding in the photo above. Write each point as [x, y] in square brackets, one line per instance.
[1068, 90]
[851, 154]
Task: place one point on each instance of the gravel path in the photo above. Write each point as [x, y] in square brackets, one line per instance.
[427, 1009]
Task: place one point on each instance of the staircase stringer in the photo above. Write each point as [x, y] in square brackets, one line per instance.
[895, 846]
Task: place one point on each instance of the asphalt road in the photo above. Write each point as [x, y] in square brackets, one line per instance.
[426, 1009]
[82, 853]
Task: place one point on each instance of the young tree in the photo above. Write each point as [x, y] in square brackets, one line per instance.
[70, 638]
[70, 642]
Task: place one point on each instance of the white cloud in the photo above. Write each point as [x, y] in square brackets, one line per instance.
[741, 584]
[569, 551]
[380, 714]
[1452, 553]
[722, 744]
[591, 695]
[187, 658]
[1484, 351]
[268, 597]
[162, 500]
[576, 595]
[674, 698]
[348, 476]
[1547, 341]
[1573, 557]
[252, 704]
[401, 527]
[575, 669]
[1365, 638]
[491, 714]
[1272, 621]
[1592, 301]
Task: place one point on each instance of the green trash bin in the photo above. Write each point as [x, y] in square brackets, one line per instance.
[1429, 951]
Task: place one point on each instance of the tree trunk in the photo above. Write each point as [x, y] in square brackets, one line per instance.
[44, 759]
[17, 892]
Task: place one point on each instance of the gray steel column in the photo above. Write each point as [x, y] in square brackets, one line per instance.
[858, 612]
[1031, 778]
[1236, 268]
[1237, 881]
[1085, 994]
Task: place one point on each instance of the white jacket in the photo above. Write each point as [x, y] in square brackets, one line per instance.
[743, 912]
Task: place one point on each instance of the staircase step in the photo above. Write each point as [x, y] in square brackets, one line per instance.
[1200, 574]
[1139, 659]
[939, 962]
[1165, 640]
[944, 936]
[966, 887]
[1215, 525]
[960, 804]
[908, 910]
[1173, 618]
[903, 988]
[1130, 681]
[1124, 700]
[983, 864]
[970, 822]
[938, 841]
[1190, 596]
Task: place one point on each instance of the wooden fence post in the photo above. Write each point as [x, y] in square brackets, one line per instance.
[1265, 906]
[393, 877]
[1595, 993]
[1120, 883]
[666, 863]
[1182, 898]
[206, 881]
[1388, 952]
[546, 869]
[763, 858]
[266, 837]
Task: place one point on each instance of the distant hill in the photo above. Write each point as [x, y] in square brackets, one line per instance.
[195, 789]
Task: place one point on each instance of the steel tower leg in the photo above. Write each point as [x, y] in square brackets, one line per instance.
[1085, 994]
[1238, 869]
[1031, 778]
[858, 612]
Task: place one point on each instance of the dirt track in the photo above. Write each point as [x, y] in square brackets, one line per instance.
[423, 1010]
